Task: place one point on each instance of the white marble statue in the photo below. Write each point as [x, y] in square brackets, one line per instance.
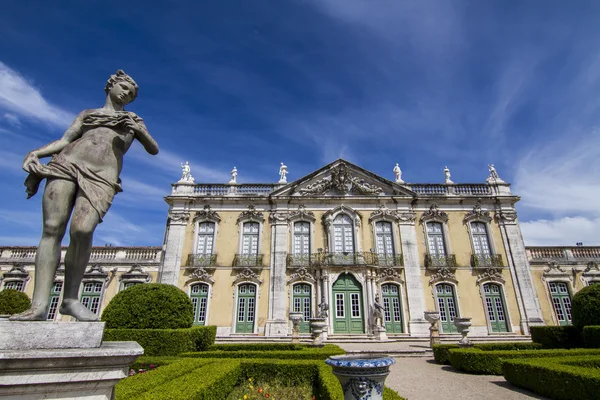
[283, 171]
[186, 175]
[398, 173]
[233, 176]
[493, 177]
[447, 174]
[378, 311]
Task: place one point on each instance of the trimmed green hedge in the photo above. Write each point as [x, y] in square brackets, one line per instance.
[562, 378]
[307, 353]
[476, 361]
[591, 336]
[13, 302]
[441, 352]
[165, 342]
[149, 306]
[586, 307]
[209, 379]
[556, 337]
[256, 346]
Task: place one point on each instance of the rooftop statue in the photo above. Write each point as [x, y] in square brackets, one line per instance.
[186, 173]
[447, 175]
[398, 172]
[234, 174]
[82, 179]
[283, 171]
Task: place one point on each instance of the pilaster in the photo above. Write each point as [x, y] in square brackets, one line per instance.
[412, 271]
[277, 324]
[174, 239]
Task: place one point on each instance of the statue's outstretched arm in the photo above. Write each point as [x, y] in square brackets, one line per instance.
[71, 134]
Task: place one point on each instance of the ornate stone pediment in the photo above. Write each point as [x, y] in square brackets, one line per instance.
[389, 274]
[342, 178]
[95, 272]
[506, 217]
[16, 272]
[490, 275]
[434, 213]
[207, 214]
[179, 217]
[301, 214]
[247, 275]
[591, 273]
[443, 274]
[201, 274]
[384, 213]
[135, 273]
[477, 214]
[301, 274]
[330, 215]
[251, 215]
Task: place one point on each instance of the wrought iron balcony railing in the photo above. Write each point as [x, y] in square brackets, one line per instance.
[436, 261]
[202, 260]
[302, 260]
[248, 260]
[389, 260]
[486, 260]
[347, 258]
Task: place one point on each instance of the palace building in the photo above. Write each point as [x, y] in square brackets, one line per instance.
[333, 241]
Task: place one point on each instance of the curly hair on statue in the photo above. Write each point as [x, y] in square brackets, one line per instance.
[120, 76]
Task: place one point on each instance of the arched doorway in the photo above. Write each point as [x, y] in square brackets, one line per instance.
[348, 305]
[246, 308]
[494, 305]
[447, 307]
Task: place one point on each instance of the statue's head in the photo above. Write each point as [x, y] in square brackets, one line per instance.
[121, 88]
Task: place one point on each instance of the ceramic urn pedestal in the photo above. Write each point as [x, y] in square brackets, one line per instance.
[361, 376]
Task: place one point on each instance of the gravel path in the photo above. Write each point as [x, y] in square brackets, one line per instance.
[422, 379]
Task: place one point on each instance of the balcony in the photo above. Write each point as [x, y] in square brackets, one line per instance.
[302, 260]
[389, 260]
[487, 261]
[576, 254]
[202, 260]
[347, 258]
[437, 261]
[248, 261]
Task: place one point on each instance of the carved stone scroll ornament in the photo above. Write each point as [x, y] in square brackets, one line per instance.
[434, 213]
[389, 274]
[301, 214]
[591, 273]
[16, 272]
[179, 217]
[443, 274]
[478, 214]
[202, 274]
[207, 214]
[247, 275]
[408, 217]
[343, 182]
[95, 272]
[252, 214]
[278, 216]
[318, 187]
[135, 273]
[383, 213]
[506, 217]
[301, 274]
[490, 274]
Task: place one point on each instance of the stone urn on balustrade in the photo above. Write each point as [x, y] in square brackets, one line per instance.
[434, 335]
[361, 376]
[463, 324]
[296, 318]
[316, 327]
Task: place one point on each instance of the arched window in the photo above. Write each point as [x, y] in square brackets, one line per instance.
[54, 299]
[384, 243]
[246, 308]
[494, 305]
[446, 306]
[561, 300]
[343, 235]
[206, 235]
[199, 296]
[435, 239]
[301, 302]
[250, 238]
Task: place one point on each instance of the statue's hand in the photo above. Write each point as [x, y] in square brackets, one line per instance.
[133, 127]
[30, 158]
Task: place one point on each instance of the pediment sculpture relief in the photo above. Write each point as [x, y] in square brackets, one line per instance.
[341, 181]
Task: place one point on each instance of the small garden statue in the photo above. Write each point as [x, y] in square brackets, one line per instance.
[282, 173]
[82, 179]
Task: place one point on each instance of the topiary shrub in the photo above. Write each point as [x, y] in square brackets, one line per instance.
[586, 307]
[149, 306]
[13, 302]
[556, 337]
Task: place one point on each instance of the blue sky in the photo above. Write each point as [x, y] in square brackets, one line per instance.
[254, 83]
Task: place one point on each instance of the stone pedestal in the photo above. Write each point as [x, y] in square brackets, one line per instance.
[296, 317]
[316, 327]
[434, 334]
[380, 333]
[30, 370]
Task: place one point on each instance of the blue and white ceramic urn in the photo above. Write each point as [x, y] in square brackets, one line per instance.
[362, 376]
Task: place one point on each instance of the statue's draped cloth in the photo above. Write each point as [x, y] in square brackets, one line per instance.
[99, 191]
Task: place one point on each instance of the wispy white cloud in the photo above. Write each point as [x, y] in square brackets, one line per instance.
[19, 96]
[12, 120]
[565, 231]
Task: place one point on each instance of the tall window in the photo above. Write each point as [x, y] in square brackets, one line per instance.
[301, 303]
[301, 238]
[481, 244]
[90, 296]
[206, 234]
[561, 300]
[435, 239]
[446, 306]
[199, 295]
[494, 305]
[54, 299]
[384, 242]
[250, 238]
[16, 285]
[246, 308]
[343, 236]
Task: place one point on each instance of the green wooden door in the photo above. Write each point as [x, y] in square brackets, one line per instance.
[392, 308]
[561, 300]
[301, 301]
[199, 296]
[494, 304]
[246, 308]
[347, 297]
[447, 307]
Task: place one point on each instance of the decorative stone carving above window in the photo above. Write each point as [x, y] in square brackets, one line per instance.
[591, 273]
[330, 215]
[384, 213]
[17, 272]
[247, 275]
[179, 217]
[251, 215]
[201, 274]
[443, 274]
[490, 275]
[301, 214]
[343, 182]
[389, 275]
[408, 217]
[477, 214]
[506, 217]
[434, 214]
[303, 275]
[135, 273]
[207, 214]
[554, 270]
[278, 216]
[95, 272]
